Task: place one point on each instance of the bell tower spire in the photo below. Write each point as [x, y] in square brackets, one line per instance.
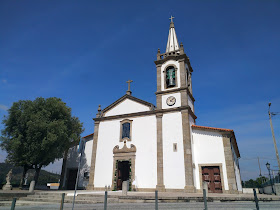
[174, 74]
[172, 43]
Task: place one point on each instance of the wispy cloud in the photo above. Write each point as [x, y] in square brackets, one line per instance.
[3, 107]
[4, 81]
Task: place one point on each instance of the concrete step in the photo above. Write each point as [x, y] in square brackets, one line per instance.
[21, 203]
[44, 196]
[79, 195]
[48, 193]
[69, 200]
[52, 197]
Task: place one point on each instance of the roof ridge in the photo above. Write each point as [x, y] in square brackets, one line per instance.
[88, 135]
[125, 97]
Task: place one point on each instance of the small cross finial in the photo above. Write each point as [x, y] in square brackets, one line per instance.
[171, 18]
[128, 92]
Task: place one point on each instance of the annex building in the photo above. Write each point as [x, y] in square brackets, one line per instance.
[158, 146]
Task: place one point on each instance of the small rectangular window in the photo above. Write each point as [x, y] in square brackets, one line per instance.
[174, 147]
[126, 130]
[86, 175]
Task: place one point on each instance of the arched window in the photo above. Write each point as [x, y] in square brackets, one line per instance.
[170, 77]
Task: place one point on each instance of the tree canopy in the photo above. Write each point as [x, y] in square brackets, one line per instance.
[254, 183]
[36, 133]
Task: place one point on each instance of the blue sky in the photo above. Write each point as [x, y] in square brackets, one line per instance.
[85, 51]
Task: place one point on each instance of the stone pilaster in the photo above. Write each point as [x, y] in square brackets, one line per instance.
[229, 165]
[184, 98]
[160, 183]
[189, 187]
[183, 76]
[93, 157]
[159, 101]
[158, 77]
[159, 97]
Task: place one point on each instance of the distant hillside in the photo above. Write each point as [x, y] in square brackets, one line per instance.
[44, 178]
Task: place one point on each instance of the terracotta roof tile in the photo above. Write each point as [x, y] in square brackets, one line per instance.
[211, 128]
[88, 135]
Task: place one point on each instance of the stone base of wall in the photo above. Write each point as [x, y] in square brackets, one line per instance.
[160, 188]
[189, 189]
[232, 192]
[90, 187]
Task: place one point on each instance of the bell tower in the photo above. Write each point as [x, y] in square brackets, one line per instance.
[174, 98]
[174, 72]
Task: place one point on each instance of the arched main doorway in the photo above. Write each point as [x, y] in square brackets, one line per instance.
[124, 166]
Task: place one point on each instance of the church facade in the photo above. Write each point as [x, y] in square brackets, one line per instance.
[160, 147]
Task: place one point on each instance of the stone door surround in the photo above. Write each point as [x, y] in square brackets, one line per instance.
[124, 154]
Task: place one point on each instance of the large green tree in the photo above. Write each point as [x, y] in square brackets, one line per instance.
[38, 132]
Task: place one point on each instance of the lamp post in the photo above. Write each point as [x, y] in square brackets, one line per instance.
[268, 168]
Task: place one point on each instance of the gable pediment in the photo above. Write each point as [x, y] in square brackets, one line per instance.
[126, 105]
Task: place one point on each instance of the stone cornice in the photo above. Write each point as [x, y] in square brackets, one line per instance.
[146, 113]
[176, 90]
[171, 57]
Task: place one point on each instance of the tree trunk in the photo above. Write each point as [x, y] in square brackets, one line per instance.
[25, 169]
[63, 168]
[37, 172]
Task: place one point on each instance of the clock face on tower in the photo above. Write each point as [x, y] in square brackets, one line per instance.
[171, 100]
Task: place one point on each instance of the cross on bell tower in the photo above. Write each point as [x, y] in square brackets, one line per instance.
[128, 92]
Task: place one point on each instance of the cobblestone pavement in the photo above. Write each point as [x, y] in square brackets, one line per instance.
[151, 206]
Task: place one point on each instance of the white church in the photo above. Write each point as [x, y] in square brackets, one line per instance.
[158, 147]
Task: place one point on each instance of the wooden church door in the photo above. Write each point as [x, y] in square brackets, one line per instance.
[71, 180]
[123, 173]
[211, 174]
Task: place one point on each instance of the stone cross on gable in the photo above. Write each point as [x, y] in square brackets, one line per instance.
[171, 18]
[128, 92]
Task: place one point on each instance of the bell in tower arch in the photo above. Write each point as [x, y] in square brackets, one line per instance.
[170, 77]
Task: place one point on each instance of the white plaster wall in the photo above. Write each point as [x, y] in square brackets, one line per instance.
[143, 137]
[191, 121]
[173, 162]
[190, 103]
[125, 107]
[236, 170]
[167, 63]
[178, 100]
[73, 162]
[208, 149]
[88, 151]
